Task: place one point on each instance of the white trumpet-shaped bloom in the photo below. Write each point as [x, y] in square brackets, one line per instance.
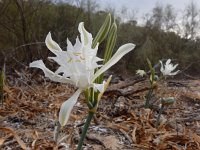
[77, 66]
[168, 68]
[140, 72]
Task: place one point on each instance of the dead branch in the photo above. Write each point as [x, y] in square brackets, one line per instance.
[115, 88]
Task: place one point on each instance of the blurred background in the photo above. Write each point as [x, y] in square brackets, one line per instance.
[161, 29]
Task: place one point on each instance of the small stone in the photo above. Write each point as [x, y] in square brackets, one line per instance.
[187, 124]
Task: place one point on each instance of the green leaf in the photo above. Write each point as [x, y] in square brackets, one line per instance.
[152, 70]
[111, 41]
[103, 32]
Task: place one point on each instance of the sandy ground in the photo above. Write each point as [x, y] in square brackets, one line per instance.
[29, 113]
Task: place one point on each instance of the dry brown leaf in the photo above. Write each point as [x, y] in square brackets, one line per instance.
[20, 142]
[133, 115]
[116, 126]
[162, 146]
[2, 141]
[35, 134]
[196, 137]
[168, 135]
[126, 136]
[145, 113]
[108, 142]
[111, 142]
[174, 146]
[133, 134]
[97, 147]
[194, 95]
[142, 147]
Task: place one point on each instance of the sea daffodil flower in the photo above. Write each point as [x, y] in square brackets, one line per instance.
[77, 66]
[168, 68]
[140, 72]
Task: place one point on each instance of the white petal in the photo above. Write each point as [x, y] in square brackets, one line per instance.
[97, 59]
[83, 80]
[124, 49]
[62, 69]
[105, 87]
[99, 87]
[174, 73]
[161, 68]
[140, 72]
[52, 45]
[86, 37]
[48, 73]
[174, 67]
[67, 107]
[168, 62]
[69, 46]
[78, 45]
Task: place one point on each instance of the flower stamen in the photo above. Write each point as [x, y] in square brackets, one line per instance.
[70, 60]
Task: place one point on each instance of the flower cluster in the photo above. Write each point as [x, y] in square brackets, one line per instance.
[167, 70]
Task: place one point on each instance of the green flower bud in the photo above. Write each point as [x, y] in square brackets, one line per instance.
[167, 101]
[156, 78]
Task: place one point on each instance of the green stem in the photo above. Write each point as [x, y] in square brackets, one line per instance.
[57, 131]
[148, 97]
[85, 128]
[159, 115]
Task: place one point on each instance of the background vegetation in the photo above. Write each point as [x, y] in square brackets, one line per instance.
[24, 25]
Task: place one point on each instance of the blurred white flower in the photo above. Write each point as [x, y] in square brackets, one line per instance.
[77, 66]
[168, 68]
[140, 72]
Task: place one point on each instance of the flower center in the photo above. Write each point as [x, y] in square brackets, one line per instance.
[78, 57]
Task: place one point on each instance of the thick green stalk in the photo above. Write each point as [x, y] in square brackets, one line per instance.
[85, 128]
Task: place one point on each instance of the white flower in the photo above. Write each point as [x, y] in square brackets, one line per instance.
[140, 72]
[77, 66]
[168, 68]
